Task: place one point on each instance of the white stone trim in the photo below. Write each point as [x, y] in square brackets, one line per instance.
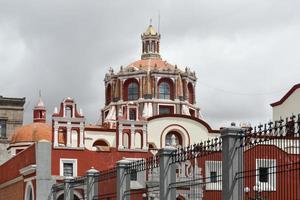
[29, 186]
[216, 166]
[10, 182]
[28, 170]
[67, 160]
[271, 184]
[30, 179]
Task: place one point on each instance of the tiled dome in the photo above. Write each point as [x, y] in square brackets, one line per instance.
[151, 64]
[32, 133]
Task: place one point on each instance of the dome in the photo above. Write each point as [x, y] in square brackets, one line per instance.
[32, 133]
[151, 64]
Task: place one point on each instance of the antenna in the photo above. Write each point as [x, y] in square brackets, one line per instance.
[150, 21]
[40, 93]
[158, 26]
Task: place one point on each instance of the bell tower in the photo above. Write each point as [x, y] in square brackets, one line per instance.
[39, 111]
[150, 44]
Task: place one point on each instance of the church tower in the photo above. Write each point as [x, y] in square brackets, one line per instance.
[39, 111]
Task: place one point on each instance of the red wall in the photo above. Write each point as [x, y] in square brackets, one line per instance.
[101, 160]
[10, 169]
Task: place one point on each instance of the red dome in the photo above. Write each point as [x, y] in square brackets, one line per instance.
[32, 133]
[153, 63]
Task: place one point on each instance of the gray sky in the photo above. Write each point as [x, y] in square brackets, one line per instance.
[245, 53]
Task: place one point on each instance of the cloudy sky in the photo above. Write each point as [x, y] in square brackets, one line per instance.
[245, 53]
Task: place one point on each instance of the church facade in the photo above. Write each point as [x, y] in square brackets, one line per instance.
[149, 104]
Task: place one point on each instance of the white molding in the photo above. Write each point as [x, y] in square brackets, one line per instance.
[28, 170]
[30, 179]
[10, 182]
[67, 160]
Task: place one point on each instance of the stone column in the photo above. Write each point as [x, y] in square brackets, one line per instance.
[81, 134]
[167, 172]
[92, 184]
[232, 186]
[44, 180]
[123, 180]
[132, 134]
[145, 137]
[155, 88]
[55, 142]
[120, 139]
[68, 189]
[175, 88]
[68, 134]
[140, 88]
[121, 89]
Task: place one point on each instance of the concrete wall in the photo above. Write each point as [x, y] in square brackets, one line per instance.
[4, 155]
[290, 106]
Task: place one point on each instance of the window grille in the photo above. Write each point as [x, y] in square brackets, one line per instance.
[68, 169]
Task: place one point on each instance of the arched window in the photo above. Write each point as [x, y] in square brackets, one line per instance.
[164, 90]
[191, 93]
[173, 138]
[68, 111]
[126, 140]
[108, 94]
[74, 138]
[29, 191]
[101, 145]
[138, 140]
[133, 91]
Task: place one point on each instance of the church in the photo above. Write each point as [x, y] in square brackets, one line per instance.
[149, 104]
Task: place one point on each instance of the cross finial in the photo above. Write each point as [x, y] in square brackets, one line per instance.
[150, 21]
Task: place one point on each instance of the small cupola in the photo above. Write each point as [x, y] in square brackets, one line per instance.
[150, 44]
[39, 111]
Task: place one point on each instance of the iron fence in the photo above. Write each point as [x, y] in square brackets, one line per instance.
[271, 160]
[198, 171]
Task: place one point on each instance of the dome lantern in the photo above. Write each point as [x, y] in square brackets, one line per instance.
[150, 44]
